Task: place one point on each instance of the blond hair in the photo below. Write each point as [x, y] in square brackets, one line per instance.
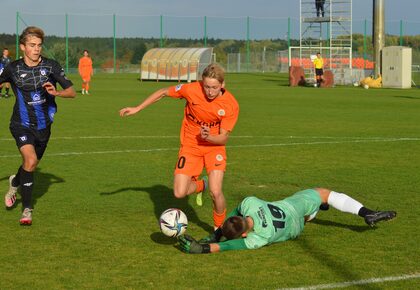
[214, 71]
[31, 31]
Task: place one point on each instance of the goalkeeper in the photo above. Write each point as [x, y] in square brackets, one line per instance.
[256, 223]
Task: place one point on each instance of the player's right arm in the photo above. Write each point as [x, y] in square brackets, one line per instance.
[153, 98]
[189, 245]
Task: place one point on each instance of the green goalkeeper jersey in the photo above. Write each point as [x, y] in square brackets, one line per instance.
[274, 221]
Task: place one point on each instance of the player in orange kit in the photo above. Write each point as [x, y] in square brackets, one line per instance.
[85, 71]
[210, 115]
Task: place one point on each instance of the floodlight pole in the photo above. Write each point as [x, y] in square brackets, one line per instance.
[401, 33]
[378, 33]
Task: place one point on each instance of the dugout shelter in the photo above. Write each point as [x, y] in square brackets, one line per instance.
[175, 64]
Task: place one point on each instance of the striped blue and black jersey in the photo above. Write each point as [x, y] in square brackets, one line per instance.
[34, 107]
[4, 61]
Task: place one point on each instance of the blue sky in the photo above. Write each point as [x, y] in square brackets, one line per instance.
[184, 18]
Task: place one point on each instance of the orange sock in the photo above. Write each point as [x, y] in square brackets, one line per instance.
[200, 185]
[218, 218]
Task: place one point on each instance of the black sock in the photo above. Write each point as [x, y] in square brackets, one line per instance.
[16, 180]
[365, 211]
[7, 91]
[27, 183]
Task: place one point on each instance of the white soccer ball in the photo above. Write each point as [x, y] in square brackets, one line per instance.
[356, 84]
[173, 222]
[315, 85]
[366, 87]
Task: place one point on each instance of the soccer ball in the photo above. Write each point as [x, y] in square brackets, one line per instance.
[366, 87]
[173, 222]
[315, 85]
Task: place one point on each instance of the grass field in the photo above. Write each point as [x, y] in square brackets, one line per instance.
[105, 180]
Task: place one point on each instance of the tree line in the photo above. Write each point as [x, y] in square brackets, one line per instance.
[129, 51]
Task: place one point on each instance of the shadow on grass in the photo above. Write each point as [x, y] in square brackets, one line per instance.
[353, 228]
[163, 198]
[407, 97]
[42, 183]
[339, 268]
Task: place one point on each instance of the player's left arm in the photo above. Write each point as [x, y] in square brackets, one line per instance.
[66, 93]
[226, 126]
[220, 139]
[59, 75]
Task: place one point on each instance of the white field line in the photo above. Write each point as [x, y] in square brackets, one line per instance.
[232, 146]
[233, 136]
[357, 282]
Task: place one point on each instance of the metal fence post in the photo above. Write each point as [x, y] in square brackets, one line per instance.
[67, 44]
[161, 31]
[115, 44]
[17, 35]
[205, 31]
[247, 45]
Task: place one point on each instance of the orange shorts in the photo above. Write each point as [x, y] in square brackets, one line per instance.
[86, 77]
[192, 160]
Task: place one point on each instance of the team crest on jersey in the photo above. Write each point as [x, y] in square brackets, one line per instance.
[219, 157]
[36, 97]
[23, 75]
[178, 87]
[43, 72]
[221, 112]
[23, 138]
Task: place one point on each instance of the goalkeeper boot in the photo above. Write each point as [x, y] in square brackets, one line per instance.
[26, 219]
[199, 197]
[10, 197]
[372, 219]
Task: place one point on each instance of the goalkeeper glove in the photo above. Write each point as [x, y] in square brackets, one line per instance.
[213, 238]
[190, 245]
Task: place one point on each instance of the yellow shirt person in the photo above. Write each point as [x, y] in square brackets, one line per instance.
[319, 65]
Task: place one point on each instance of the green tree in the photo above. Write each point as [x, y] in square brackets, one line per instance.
[139, 51]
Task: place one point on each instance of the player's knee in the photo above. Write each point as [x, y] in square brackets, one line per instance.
[179, 193]
[215, 194]
[324, 193]
[30, 164]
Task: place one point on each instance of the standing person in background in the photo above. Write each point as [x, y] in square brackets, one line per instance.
[33, 79]
[85, 71]
[319, 69]
[4, 62]
[210, 115]
[319, 5]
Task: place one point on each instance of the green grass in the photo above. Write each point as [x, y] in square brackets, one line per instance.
[98, 196]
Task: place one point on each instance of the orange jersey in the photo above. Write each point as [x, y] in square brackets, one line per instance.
[85, 66]
[219, 113]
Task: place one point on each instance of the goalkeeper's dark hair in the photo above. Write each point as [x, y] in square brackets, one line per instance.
[234, 227]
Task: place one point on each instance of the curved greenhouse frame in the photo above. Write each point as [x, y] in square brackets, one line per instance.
[177, 64]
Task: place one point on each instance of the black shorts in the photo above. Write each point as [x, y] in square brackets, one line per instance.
[319, 71]
[38, 138]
